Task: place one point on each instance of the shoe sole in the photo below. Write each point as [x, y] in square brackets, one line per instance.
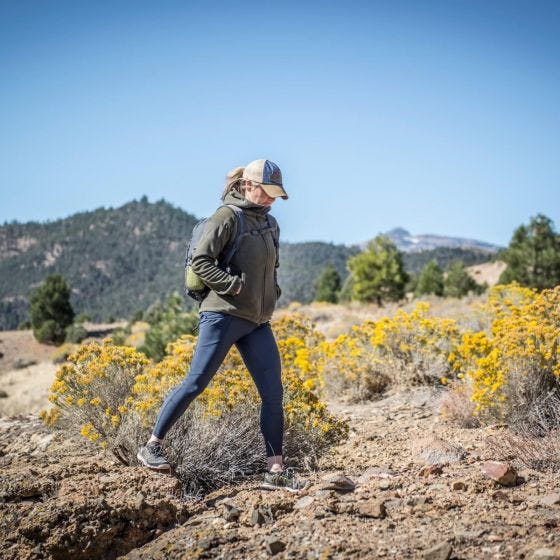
[164, 467]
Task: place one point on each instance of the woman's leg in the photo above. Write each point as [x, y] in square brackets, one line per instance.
[260, 354]
[217, 333]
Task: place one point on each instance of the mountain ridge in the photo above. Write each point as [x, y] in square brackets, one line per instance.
[121, 260]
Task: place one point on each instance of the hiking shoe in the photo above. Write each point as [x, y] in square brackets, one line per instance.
[283, 480]
[151, 456]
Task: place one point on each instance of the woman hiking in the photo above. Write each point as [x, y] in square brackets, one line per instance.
[236, 311]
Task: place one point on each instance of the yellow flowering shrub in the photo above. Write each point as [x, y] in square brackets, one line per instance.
[113, 393]
[300, 353]
[518, 361]
[92, 388]
[407, 349]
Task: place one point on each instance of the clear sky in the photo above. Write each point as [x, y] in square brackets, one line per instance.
[440, 117]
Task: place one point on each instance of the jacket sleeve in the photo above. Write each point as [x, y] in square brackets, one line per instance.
[277, 264]
[220, 229]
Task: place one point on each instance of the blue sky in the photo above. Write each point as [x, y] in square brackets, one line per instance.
[440, 117]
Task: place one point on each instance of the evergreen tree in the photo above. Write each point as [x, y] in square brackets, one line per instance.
[430, 280]
[533, 255]
[50, 310]
[459, 283]
[378, 273]
[327, 286]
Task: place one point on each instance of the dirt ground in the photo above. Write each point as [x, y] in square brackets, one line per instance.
[404, 485]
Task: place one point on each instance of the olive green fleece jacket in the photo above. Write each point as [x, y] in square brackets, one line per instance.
[256, 262]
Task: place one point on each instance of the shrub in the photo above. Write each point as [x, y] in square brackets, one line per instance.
[516, 365]
[76, 333]
[169, 323]
[112, 395]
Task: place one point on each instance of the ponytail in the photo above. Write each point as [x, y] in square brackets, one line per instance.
[233, 180]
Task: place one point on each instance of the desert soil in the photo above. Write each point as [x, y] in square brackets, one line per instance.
[404, 485]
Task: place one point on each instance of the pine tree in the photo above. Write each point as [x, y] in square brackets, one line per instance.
[327, 286]
[50, 310]
[459, 283]
[430, 280]
[378, 273]
[533, 255]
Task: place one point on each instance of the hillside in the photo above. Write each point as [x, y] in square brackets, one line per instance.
[120, 260]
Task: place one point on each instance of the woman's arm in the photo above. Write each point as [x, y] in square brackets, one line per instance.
[220, 230]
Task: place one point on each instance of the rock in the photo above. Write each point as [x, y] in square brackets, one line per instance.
[430, 470]
[372, 508]
[140, 500]
[544, 554]
[338, 482]
[466, 536]
[384, 484]
[441, 551]
[274, 545]
[550, 500]
[3, 394]
[258, 516]
[458, 485]
[436, 451]
[502, 473]
[304, 502]
[376, 472]
[21, 363]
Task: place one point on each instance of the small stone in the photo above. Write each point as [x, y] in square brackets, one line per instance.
[257, 518]
[384, 484]
[338, 482]
[436, 451]
[441, 551]
[429, 470]
[550, 500]
[274, 545]
[458, 485]
[3, 394]
[304, 502]
[465, 536]
[231, 513]
[140, 500]
[544, 554]
[502, 473]
[372, 508]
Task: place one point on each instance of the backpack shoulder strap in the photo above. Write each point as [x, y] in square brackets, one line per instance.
[239, 232]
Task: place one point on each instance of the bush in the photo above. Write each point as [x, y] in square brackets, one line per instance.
[49, 332]
[408, 349]
[515, 367]
[112, 395]
[76, 333]
[168, 324]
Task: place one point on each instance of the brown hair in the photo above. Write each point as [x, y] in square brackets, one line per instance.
[233, 181]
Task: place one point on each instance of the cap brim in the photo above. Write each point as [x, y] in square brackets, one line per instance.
[275, 191]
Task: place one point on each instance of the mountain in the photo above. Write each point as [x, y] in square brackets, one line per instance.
[118, 261]
[409, 243]
[121, 260]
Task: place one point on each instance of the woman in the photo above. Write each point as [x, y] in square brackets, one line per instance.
[237, 310]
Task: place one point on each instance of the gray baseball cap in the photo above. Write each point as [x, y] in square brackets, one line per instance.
[268, 175]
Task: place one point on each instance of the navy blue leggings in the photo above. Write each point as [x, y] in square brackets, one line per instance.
[218, 332]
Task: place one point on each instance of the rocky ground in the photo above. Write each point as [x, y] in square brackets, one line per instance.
[404, 485]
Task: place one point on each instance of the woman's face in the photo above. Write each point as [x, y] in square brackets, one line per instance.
[254, 193]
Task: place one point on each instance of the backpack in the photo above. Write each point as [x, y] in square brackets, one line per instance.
[194, 286]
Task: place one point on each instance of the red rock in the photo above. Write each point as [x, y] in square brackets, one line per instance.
[502, 473]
